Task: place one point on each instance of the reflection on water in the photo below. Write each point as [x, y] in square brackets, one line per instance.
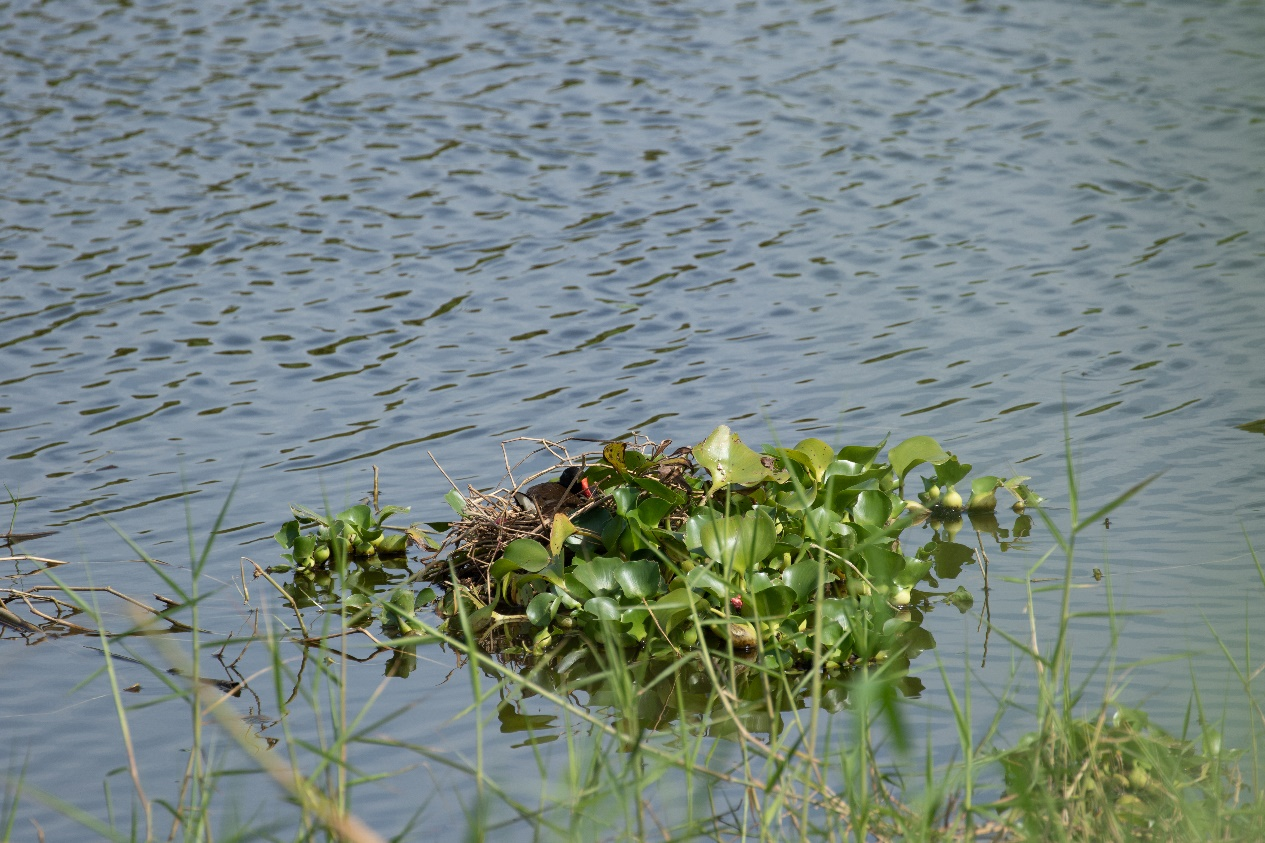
[268, 246]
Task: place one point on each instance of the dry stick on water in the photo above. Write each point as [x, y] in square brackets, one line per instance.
[260, 572]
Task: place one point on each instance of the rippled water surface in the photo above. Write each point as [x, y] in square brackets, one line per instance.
[263, 246]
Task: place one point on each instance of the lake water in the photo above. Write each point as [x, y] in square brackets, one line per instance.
[264, 246]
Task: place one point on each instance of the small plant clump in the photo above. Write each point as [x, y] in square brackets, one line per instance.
[356, 534]
[788, 551]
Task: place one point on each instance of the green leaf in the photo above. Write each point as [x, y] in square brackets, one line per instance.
[527, 554]
[728, 460]
[702, 578]
[288, 533]
[802, 578]
[817, 457]
[872, 507]
[639, 578]
[915, 451]
[652, 510]
[562, 530]
[393, 543]
[456, 501]
[673, 607]
[598, 575]
[951, 472]
[775, 602]
[604, 608]
[387, 511]
[540, 610]
[359, 516]
[961, 599]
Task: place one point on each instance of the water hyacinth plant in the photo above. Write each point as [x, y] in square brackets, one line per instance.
[786, 552]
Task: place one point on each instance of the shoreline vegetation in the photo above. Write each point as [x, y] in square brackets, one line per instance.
[800, 736]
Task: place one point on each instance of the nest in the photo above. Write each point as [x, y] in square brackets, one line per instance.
[493, 519]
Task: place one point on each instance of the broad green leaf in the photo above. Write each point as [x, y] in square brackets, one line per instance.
[819, 456]
[756, 536]
[702, 578]
[951, 471]
[288, 533]
[639, 578]
[456, 501]
[652, 510]
[802, 577]
[658, 490]
[541, 609]
[598, 575]
[818, 522]
[775, 602]
[872, 507]
[527, 554]
[915, 451]
[387, 511]
[672, 608]
[603, 607]
[359, 516]
[729, 460]
[882, 565]
[562, 530]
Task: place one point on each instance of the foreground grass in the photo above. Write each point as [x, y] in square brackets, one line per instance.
[738, 767]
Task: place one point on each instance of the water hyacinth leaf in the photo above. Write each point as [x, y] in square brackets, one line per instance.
[611, 532]
[759, 581]
[541, 609]
[673, 607]
[817, 523]
[359, 516]
[914, 572]
[288, 533]
[755, 539]
[456, 501]
[303, 547]
[598, 575]
[387, 511]
[883, 565]
[527, 555]
[659, 490]
[962, 599]
[625, 499]
[951, 472]
[913, 452]
[639, 578]
[818, 456]
[708, 530]
[701, 578]
[614, 456]
[802, 578]
[863, 454]
[872, 507]
[603, 608]
[635, 620]
[777, 601]
[394, 543]
[562, 530]
[728, 460]
[651, 511]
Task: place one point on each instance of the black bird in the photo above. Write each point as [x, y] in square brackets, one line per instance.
[548, 498]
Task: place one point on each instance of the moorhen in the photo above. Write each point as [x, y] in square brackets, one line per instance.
[548, 498]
